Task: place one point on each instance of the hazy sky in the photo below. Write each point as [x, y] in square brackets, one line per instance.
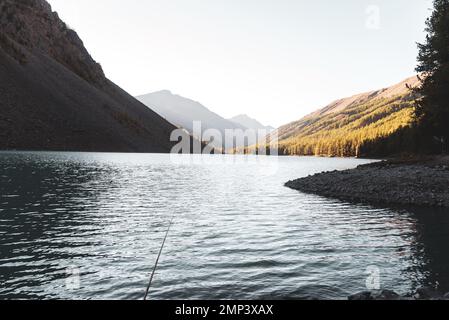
[276, 60]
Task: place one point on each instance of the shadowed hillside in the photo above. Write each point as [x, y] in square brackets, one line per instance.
[54, 96]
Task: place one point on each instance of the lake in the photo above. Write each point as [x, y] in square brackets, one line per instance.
[90, 226]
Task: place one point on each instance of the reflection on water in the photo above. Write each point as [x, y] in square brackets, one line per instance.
[430, 252]
[237, 233]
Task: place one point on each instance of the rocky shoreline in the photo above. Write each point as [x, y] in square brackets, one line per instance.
[410, 182]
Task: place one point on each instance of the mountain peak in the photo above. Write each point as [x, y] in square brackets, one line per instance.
[32, 25]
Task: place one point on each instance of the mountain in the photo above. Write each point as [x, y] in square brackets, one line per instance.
[250, 123]
[360, 125]
[182, 112]
[54, 96]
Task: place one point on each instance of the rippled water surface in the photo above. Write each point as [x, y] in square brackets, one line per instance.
[237, 232]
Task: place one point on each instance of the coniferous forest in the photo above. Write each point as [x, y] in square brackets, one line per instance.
[413, 122]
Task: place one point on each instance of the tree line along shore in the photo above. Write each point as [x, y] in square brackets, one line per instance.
[419, 180]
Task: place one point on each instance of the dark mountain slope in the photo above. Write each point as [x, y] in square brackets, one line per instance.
[54, 96]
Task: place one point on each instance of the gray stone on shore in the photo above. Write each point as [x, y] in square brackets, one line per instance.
[424, 293]
[417, 184]
[427, 293]
[375, 295]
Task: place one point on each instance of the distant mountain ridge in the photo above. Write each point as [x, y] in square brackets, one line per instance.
[351, 126]
[250, 123]
[182, 112]
[54, 96]
[395, 90]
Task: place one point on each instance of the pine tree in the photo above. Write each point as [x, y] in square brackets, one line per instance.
[432, 111]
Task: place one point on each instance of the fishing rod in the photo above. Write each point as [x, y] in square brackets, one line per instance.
[158, 257]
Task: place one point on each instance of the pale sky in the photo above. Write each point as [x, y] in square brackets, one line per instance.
[275, 60]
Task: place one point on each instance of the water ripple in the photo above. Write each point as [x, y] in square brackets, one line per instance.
[99, 219]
